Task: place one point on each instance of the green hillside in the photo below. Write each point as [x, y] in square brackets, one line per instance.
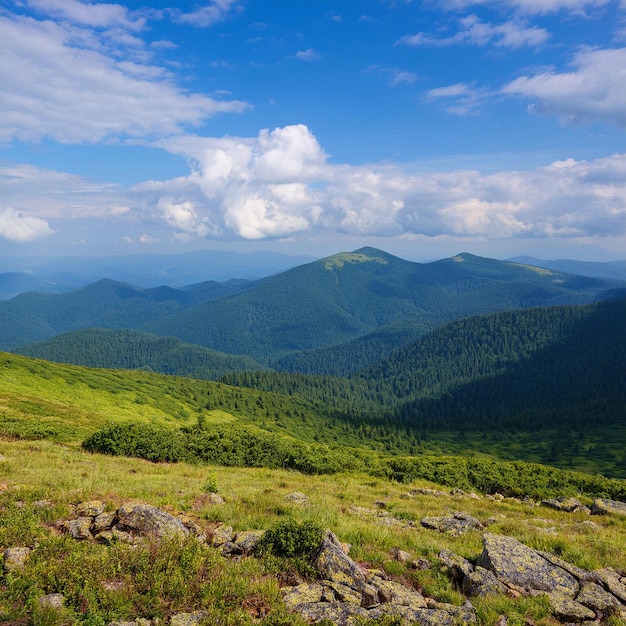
[129, 349]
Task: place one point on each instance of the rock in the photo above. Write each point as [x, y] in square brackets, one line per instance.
[567, 504]
[42, 504]
[221, 535]
[400, 555]
[611, 581]
[455, 524]
[144, 519]
[214, 499]
[80, 528]
[596, 598]
[481, 582]
[602, 506]
[340, 613]
[569, 610]
[333, 564]
[392, 592]
[52, 600]
[187, 619]
[422, 491]
[458, 567]
[297, 498]
[516, 565]
[93, 508]
[103, 521]
[423, 617]
[306, 593]
[14, 559]
[248, 540]
[343, 593]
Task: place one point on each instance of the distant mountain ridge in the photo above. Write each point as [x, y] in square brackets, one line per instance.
[615, 270]
[61, 274]
[315, 305]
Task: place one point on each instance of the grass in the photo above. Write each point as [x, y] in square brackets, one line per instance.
[158, 581]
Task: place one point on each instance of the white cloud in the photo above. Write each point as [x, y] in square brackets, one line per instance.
[307, 55]
[66, 83]
[15, 226]
[473, 31]
[594, 91]
[393, 75]
[99, 15]
[460, 98]
[213, 12]
[533, 7]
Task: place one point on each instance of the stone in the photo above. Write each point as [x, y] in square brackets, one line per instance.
[481, 582]
[221, 535]
[214, 499]
[596, 598]
[423, 617]
[339, 613]
[392, 592]
[343, 593]
[14, 559]
[455, 524]
[144, 519]
[333, 564]
[80, 528]
[52, 600]
[306, 593]
[458, 567]
[93, 508]
[516, 565]
[422, 491]
[187, 619]
[297, 498]
[567, 504]
[400, 555]
[611, 581]
[602, 506]
[565, 608]
[247, 540]
[103, 521]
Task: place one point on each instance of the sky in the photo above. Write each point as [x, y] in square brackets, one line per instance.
[423, 128]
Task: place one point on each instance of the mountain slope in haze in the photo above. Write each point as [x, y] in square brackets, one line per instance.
[130, 349]
[342, 297]
[37, 316]
[57, 274]
[612, 270]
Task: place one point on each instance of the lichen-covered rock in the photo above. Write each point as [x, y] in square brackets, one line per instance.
[187, 619]
[602, 506]
[392, 592]
[596, 598]
[247, 540]
[80, 528]
[297, 498]
[455, 524]
[423, 617]
[517, 565]
[340, 613]
[52, 600]
[458, 567]
[333, 564]
[611, 580]
[15, 558]
[145, 519]
[103, 521]
[565, 608]
[481, 582]
[567, 504]
[306, 593]
[92, 508]
[221, 535]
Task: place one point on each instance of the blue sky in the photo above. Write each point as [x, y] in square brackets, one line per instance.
[424, 128]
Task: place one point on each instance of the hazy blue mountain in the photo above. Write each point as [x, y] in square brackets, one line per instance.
[57, 274]
[610, 269]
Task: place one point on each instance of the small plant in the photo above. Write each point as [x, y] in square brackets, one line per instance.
[293, 541]
[210, 484]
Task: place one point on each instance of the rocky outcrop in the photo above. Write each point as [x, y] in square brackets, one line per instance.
[147, 520]
[567, 504]
[602, 506]
[455, 524]
[508, 566]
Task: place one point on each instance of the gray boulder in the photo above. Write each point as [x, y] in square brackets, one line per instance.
[144, 519]
[602, 506]
[455, 524]
[15, 558]
[522, 568]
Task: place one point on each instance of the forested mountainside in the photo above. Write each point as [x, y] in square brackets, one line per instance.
[598, 269]
[133, 349]
[319, 304]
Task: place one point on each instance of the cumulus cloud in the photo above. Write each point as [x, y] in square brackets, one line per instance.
[15, 226]
[473, 31]
[280, 183]
[594, 91]
[307, 55]
[99, 15]
[64, 81]
[213, 12]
